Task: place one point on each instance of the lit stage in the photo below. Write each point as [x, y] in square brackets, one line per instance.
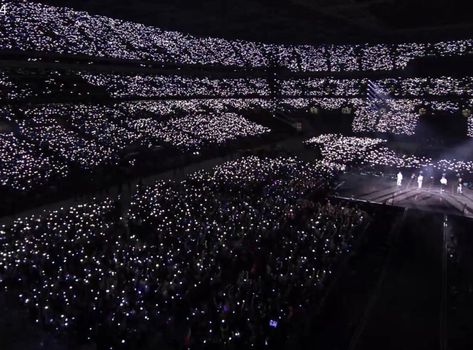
[383, 190]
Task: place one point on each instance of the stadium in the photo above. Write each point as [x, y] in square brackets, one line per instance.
[236, 175]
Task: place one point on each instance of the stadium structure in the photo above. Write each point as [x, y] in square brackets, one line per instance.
[236, 175]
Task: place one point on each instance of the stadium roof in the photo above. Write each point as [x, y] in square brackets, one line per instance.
[295, 21]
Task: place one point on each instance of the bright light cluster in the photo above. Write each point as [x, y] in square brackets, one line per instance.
[196, 250]
[48, 132]
[361, 151]
[22, 168]
[36, 27]
[194, 131]
[394, 116]
[430, 87]
[176, 86]
[172, 107]
[377, 57]
[337, 148]
[25, 84]
[89, 136]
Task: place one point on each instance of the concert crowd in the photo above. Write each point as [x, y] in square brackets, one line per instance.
[372, 153]
[238, 256]
[36, 27]
[47, 141]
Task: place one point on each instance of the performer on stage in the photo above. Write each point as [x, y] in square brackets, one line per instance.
[420, 178]
[443, 183]
[460, 186]
[399, 178]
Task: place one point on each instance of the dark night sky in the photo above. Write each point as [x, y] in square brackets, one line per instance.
[295, 21]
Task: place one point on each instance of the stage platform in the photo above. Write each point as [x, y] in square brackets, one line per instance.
[383, 190]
